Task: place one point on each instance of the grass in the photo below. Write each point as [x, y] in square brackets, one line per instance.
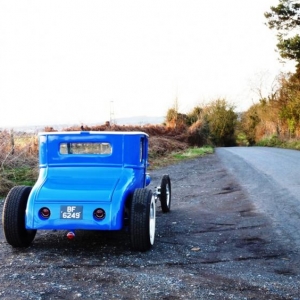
[21, 176]
[175, 157]
[275, 141]
[18, 175]
[193, 153]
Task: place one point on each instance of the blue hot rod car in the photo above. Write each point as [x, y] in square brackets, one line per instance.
[90, 181]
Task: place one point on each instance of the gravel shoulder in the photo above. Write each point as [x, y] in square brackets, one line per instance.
[214, 244]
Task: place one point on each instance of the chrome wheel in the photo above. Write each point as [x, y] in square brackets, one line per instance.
[152, 220]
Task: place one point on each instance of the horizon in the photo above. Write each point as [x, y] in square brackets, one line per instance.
[127, 121]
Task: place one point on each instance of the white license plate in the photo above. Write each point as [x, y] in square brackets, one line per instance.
[71, 212]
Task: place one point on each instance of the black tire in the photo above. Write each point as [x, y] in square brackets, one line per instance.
[165, 194]
[142, 220]
[13, 217]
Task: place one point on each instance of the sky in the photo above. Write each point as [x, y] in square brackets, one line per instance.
[84, 62]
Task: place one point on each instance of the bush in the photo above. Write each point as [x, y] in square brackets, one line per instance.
[270, 141]
[18, 160]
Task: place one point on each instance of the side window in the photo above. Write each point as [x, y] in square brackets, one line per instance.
[142, 145]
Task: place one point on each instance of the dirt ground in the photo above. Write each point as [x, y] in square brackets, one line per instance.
[214, 244]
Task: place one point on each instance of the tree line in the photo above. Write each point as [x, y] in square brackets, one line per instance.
[276, 115]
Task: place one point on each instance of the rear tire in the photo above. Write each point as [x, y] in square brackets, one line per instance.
[165, 194]
[13, 217]
[142, 220]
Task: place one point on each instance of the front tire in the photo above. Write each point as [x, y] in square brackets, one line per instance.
[13, 217]
[142, 220]
[165, 194]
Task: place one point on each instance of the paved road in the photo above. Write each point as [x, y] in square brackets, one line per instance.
[271, 177]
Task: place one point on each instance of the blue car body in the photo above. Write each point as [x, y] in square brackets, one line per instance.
[80, 172]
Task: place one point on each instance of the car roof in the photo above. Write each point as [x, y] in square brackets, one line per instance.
[93, 133]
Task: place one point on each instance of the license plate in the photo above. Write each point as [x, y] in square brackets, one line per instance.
[71, 212]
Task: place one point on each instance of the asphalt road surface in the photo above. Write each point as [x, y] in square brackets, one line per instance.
[272, 178]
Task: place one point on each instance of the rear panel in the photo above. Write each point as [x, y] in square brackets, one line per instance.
[77, 180]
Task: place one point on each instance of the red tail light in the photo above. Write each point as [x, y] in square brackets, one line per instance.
[45, 212]
[99, 213]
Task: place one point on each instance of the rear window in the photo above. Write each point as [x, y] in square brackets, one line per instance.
[85, 148]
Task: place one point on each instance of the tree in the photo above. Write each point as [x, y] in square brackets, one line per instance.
[285, 18]
[278, 114]
[194, 115]
[249, 123]
[172, 115]
[221, 120]
[174, 118]
[289, 101]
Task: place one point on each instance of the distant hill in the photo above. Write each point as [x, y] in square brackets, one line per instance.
[141, 120]
[138, 120]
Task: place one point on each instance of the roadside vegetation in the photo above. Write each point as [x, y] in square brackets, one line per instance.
[275, 120]
[181, 137]
[19, 151]
[18, 160]
[178, 156]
